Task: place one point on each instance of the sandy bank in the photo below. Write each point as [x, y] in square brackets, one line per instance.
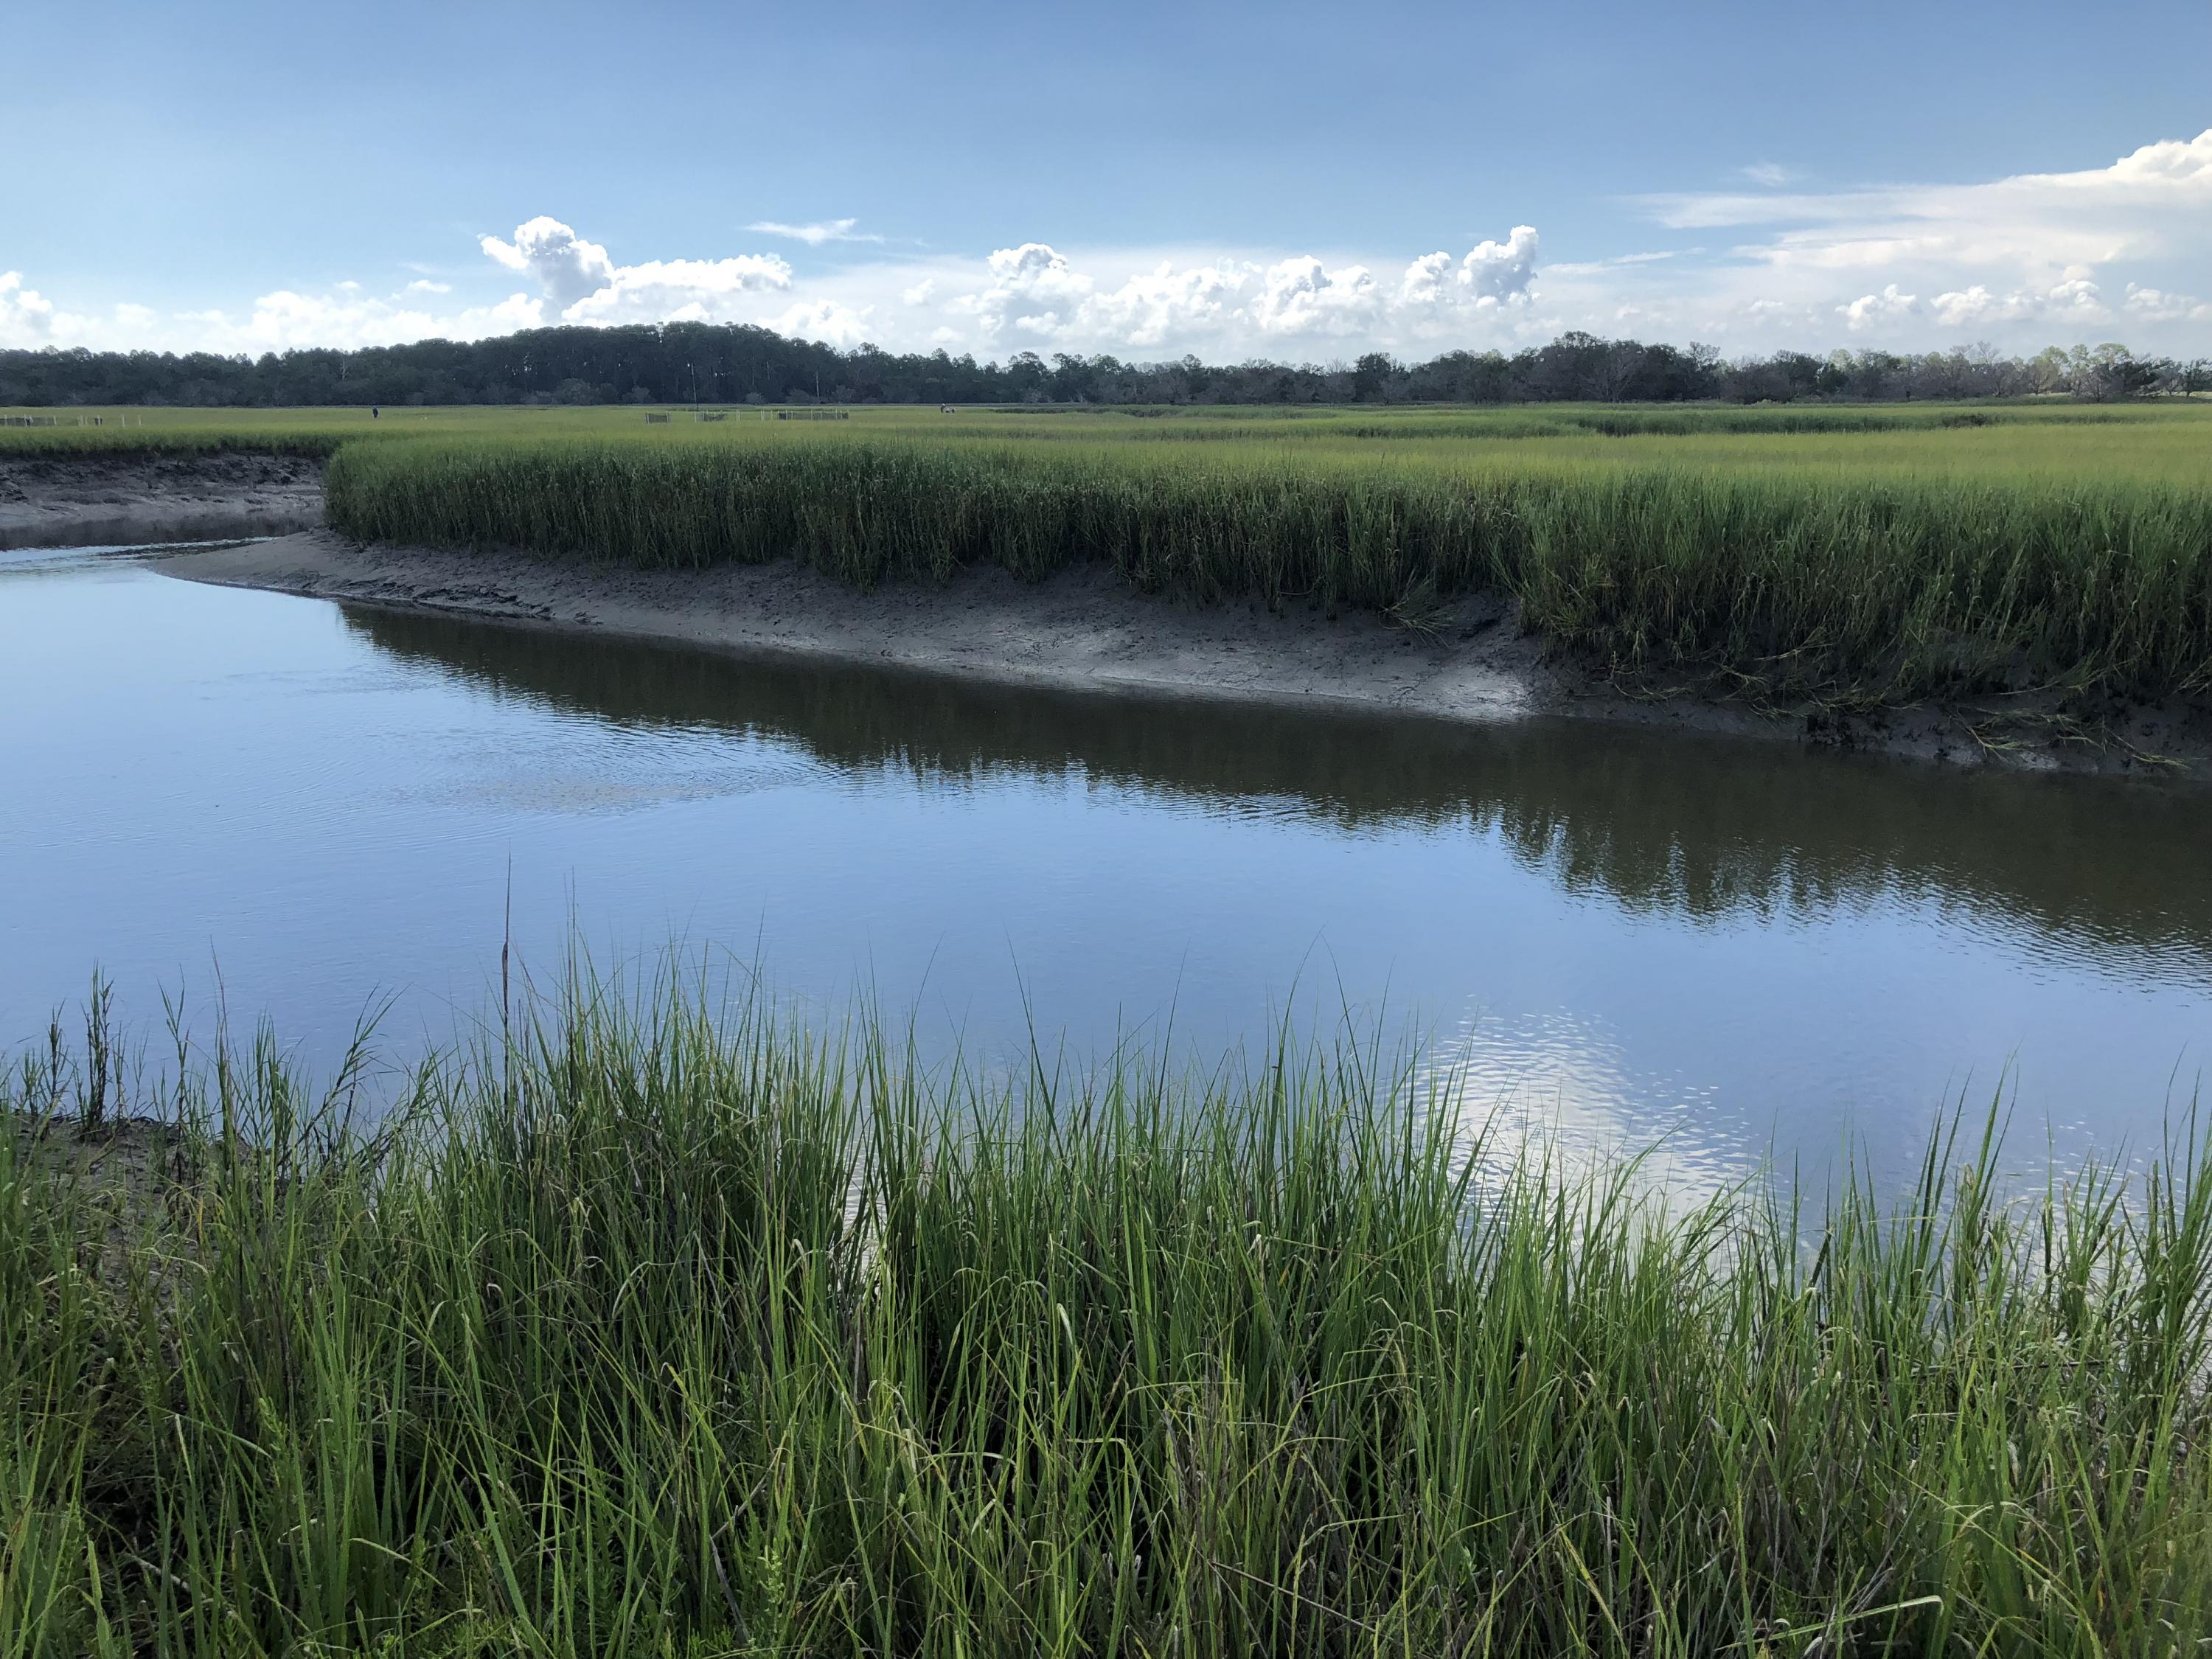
[1084, 629]
[82, 501]
[1087, 630]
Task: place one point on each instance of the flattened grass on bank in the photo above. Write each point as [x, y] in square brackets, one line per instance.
[679, 1333]
[1861, 586]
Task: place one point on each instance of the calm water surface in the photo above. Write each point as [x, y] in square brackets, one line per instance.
[1741, 948]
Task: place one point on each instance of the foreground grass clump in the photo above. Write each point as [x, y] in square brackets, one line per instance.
[675, 1334]
[1858, 587]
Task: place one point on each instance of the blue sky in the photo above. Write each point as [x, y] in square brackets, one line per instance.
[1288, 180]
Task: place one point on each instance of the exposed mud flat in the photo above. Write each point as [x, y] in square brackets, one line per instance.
[1088, 630]
[77, 500]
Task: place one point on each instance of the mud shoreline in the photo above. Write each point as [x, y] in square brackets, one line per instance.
[1086, 630]
[84, 500]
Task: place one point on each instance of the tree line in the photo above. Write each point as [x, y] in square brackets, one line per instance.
[733, 363]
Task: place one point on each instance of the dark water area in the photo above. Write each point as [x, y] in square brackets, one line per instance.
[1612, 936]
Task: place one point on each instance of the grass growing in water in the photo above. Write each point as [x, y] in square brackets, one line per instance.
[675, 1332]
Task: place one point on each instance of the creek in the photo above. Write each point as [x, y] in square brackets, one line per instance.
[298, 809]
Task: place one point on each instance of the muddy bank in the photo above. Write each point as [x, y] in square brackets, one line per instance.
[81, 500]
[1087, 630]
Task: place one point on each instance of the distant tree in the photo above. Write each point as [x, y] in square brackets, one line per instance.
[1074, 379]
[1026, 378]
[1371, 376]
[724, 362]
[2109, 373]
[1758, 380]
[1613, 367]
[1194, 379]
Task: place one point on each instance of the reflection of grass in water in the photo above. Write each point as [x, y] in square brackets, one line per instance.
[1706, 828]
[659, 1330]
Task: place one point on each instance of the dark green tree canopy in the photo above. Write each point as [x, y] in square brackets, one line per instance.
[735, 363]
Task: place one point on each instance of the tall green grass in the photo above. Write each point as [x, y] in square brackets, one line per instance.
[1865, 556]
[1873, 587]
[659, 1327]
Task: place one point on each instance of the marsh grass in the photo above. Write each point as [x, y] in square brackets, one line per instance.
[2045, 558]
[660, 1327]
[2164, 438]
[1865, 587]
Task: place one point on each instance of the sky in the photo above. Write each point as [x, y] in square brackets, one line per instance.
[1298, 182]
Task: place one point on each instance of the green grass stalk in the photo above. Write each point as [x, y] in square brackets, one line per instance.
[667, 1328]
[1868, 586]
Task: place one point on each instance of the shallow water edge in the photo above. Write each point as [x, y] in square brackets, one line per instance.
[1089, 631]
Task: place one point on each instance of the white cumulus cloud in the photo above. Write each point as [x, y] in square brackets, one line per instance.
[1501, 270]
[1491, 274]
[1158, 307]
[1032, 286]
[31, 321]
[681, 290]
[1303, 296]
[1032, 293]
[1868, 310]
[2158, 306]
[2112, 251]
[583, 284]
[569, 268]
[2030, 251]
[1423, 281]
[2077, 300]
[825, 320]
[286, 320]
[26, 315]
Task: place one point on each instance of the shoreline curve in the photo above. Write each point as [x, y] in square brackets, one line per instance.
[1088, 630]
